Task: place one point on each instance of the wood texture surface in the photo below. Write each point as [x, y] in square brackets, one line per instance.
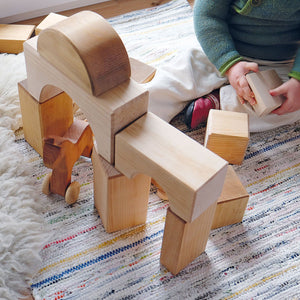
[232, 202]
[86, 49]
[107, 114]
[184, 241]
[61, 152]
[107, 9]
[120, 201]
[12, 37]
[53, 116]
[261, 83]
[191, 175]
[227, 134]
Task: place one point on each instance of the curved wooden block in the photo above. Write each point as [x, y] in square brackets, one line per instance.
[88, 50]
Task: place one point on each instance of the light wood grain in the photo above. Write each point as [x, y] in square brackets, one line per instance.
[88, 50]
[261, 83]
[184, 241]
[107, 114]
[191, 175]
[121, 202]
[50, 20]
[61, 152]
[12, 37]
[53, 116]
[227, 134]
[232, 202]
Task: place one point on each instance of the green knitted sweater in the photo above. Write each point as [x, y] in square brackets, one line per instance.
[262, 29]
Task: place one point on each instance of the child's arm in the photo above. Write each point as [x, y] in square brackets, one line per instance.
[212, 31]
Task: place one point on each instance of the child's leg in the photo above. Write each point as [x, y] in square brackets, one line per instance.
[189, 76]
[197, 111]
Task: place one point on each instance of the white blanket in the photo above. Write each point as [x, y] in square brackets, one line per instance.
[190, 75]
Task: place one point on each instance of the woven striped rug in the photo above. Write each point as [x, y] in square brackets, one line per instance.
[256, 259]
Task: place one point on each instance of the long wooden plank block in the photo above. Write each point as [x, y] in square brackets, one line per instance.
[191, 175]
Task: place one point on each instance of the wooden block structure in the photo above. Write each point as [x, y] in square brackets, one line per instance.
[227, 134]
[180, 235]
[261, 83]
[148, 146]
[50, 20]
[52, 117]
[133, 145]
[12, 37]
[232, 202]
[120, 201]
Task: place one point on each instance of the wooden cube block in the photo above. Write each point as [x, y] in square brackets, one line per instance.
[261, 83]
[121, 202]
[232, 203]
[53, 116]
[12, 37]
[50, 20]
[227, 134]
[184, 241]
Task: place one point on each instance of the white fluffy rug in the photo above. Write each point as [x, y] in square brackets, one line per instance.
[21, 223]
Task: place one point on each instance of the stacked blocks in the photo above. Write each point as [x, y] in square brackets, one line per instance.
[261, 83]
[131, 144]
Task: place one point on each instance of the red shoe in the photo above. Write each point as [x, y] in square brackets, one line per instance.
[197, 111]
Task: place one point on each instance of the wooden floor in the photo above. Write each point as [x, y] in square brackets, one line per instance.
[107, 9]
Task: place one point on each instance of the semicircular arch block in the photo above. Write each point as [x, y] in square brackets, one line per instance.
[88, 50]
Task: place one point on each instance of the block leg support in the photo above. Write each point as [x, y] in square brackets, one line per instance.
[184, 241]
[121, 202]
[53, 116]
[232, 203]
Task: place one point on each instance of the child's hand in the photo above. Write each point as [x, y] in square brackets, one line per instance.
[291, 92]
[236, 76]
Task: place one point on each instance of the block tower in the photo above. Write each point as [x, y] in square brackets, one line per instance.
[85, 58]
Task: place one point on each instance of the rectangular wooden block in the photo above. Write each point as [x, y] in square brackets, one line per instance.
[232, 203]
[261, 83]
[121, 202]
[12, 37]
[227, 134]
[191, 175]
[54, 116]
[50, 20]
[184, 241]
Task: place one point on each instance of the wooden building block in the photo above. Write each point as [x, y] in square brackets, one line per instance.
[191, 175]
[184, 241]
[50, 20]
[232, 203]
[261, 83]
[12, 37]
[227, 134]
[53, 116]
[88, 50]
[141, 72]
[121, 202]
[107, 114]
